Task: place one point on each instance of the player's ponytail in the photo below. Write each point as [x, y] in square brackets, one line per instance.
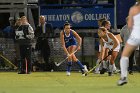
[66, 23]
[104, 23]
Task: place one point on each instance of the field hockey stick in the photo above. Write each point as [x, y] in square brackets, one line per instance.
[7, 60]
[86, 73]
[59, 63]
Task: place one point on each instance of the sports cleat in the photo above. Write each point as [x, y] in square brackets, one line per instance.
[83, 74]
[86, 74]
[103, 71]
[68, 73]
[85, 69]
[21, 73]
[116, 71]
[109, 73]
[122, 81]
[131, 72]
[97, 72]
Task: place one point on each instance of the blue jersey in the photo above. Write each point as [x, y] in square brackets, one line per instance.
[69, 40]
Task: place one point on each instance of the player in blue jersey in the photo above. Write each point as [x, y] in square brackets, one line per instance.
[71, 42]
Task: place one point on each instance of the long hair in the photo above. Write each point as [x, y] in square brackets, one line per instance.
[101, 29]
[66, 23]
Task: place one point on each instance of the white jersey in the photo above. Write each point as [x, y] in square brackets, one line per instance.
[136, 26]
[134, 38]
[109, 44]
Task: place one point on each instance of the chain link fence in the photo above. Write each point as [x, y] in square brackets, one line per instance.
[85, 55]
[7, 49]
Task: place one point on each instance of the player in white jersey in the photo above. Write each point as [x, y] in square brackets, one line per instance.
[98, 47]
[110, 43]
[132, 42]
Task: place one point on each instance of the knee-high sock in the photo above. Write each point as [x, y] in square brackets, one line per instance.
[110, 68]
[69, 66]
[80, 64]
[124, 66]
[97, 68]
[114, 67]
[104, 64]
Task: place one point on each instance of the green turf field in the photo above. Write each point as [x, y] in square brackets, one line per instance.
[58, 82]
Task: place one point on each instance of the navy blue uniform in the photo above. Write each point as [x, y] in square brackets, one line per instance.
[69, 40]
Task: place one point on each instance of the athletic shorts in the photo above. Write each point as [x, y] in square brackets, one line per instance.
[70, 44]
[132, 40]
[111, 46]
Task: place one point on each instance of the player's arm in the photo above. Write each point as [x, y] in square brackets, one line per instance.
[31, 33]
[102, 49]
[122, 33]
[130, 17]
[63, 43]
[115, 41]
[78, 38]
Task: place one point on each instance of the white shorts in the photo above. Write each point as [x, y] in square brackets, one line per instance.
[132, 40]
[111, 46]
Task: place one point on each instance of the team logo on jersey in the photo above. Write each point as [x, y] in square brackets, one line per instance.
[20, 34]
[77, 17]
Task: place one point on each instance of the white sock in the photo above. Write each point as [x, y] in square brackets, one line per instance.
[97, 68]
[114, 67]
[124, 66]
[104, 64]
[97, 62]
[110, 68]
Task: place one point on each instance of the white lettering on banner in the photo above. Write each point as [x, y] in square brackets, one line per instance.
[77, 17]
[108, 16]
[50, 17]
[96, 16]
[58, 17]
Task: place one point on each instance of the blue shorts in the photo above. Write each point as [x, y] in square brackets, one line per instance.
[70, 44]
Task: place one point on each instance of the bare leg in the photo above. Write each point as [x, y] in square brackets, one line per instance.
[124, 61]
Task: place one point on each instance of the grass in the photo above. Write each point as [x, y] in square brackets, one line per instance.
[58, 82]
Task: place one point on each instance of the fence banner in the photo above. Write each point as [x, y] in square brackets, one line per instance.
[78, 17]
